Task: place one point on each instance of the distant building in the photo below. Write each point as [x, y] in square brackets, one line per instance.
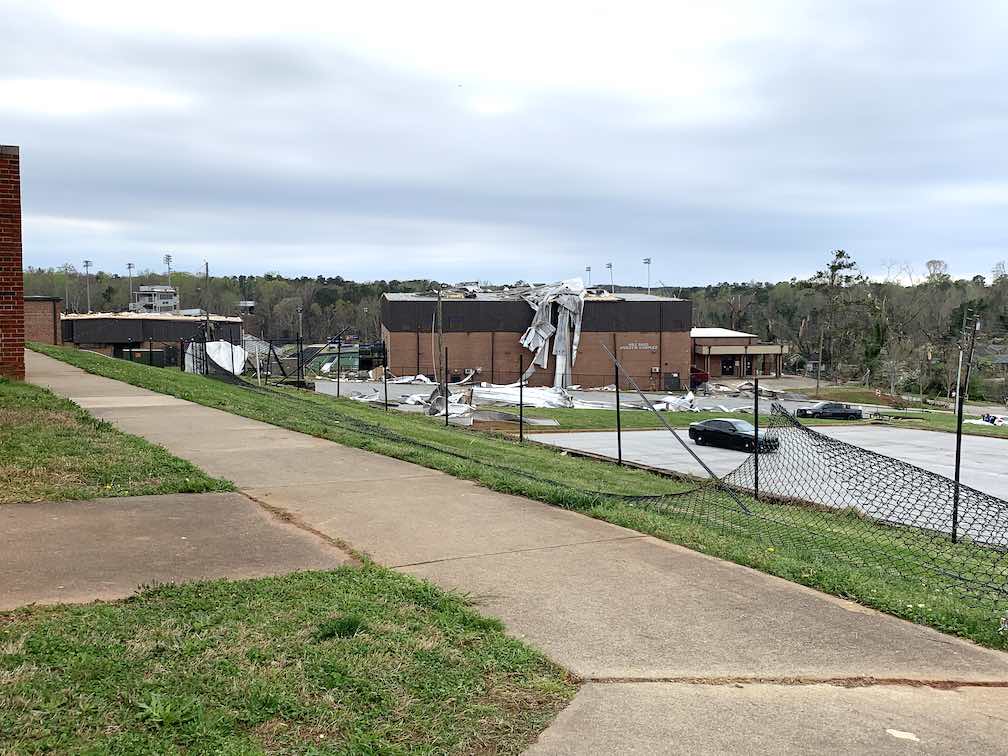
[483, 331]
[155, 299]
[155, 338]
[721, 352]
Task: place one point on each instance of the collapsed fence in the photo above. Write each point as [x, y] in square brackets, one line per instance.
[836, 503]
[819, 499]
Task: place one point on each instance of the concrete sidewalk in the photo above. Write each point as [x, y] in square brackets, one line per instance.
[78, 551]
[646, 620]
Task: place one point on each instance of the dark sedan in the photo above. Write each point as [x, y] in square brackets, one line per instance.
[730, 433]
[831, 411]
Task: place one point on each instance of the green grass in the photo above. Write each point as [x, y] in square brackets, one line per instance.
[361, 660]
[51, 449]
[946, 423]
[502, 464]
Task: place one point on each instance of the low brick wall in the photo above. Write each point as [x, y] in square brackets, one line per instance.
[12, 327]
[42, 319]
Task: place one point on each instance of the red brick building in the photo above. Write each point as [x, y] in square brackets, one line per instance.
[12, 333]
[42, 319]
[483, 331]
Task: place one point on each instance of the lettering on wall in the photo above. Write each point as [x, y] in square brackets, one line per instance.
[639, 346]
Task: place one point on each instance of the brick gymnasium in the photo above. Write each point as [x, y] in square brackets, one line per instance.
[482, 332]
[12, 333]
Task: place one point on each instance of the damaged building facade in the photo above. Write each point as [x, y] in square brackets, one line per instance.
[485, 332]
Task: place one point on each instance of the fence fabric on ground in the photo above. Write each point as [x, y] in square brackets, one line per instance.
[847, 505]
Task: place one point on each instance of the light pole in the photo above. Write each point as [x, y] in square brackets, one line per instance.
[612, 286]
[647, 261]
[588, 273]
[87, 282]
[167, 262]
[129, 272]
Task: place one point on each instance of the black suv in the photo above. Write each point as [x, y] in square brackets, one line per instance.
[831, 411]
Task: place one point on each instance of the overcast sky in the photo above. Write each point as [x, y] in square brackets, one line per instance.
[467, 140]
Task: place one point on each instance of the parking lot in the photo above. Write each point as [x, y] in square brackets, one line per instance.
[983, 459]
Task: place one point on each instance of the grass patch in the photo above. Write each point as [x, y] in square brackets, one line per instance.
[548, 475]
[51, 449]
[358, 660]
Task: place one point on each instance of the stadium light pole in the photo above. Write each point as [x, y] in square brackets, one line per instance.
[129, 272]
[647, 261]
[588, 273]
[612, 286]
[87, 282]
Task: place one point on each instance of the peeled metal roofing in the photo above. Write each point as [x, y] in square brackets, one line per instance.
[719, 333]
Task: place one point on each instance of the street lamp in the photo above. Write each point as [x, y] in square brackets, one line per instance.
[588, 272]
[129, 272]
[647, 261]
[167, 262]
[87, 282]
[612, 286]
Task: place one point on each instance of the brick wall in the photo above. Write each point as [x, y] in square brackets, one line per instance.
[42, 320]
[496, 357]
[11, 272]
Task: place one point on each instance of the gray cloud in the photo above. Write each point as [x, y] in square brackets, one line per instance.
[305, 158]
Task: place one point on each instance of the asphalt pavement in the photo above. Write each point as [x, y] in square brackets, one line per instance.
[983, 458]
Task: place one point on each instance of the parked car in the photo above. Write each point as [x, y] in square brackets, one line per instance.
[730, 433]
[832, 411]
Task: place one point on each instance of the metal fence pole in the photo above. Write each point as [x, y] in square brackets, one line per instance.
[181, 344]
[385, 372]
[339, 367]
[150, 352]
[521, 398]
[446, 387]
[960, 402]
[619, 424]
[756, 438]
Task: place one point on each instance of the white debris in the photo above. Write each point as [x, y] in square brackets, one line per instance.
[531, 397]
[223, 355]
[901, 735]
[412, 379]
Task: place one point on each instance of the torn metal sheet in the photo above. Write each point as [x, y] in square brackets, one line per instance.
[568, 297]
[531, 397]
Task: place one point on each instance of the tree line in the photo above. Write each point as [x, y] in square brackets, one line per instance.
[901, 333]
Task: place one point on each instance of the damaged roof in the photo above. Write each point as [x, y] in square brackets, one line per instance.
[515, 295]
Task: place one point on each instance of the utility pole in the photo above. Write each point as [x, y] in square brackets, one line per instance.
[647, 261]
[87, 282]
[129, 272]
[167, 262]
[66, 287]
[960, 401]
[612, 286]
[818, 374]
[206, 294]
